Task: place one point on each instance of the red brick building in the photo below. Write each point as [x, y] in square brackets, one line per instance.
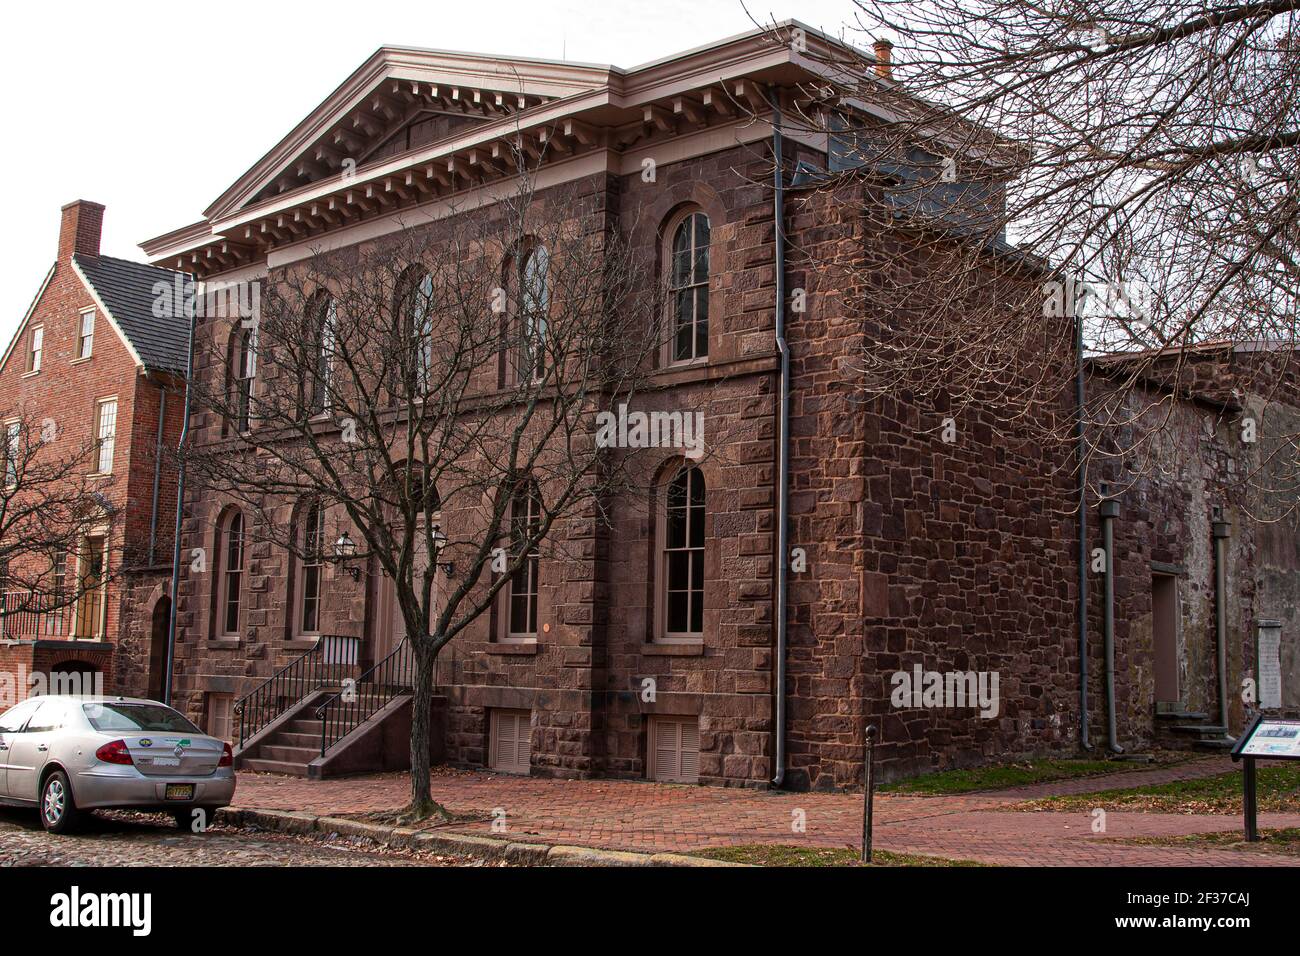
[914, 552]
[93, 358]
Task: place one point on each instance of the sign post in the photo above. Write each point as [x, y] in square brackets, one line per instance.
[1267, 738]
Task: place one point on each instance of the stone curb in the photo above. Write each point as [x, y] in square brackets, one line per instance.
[485, 848]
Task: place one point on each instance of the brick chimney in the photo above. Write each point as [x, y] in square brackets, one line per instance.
[79, 232]
[884, 59]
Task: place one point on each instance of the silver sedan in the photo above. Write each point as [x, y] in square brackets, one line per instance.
[65, 755]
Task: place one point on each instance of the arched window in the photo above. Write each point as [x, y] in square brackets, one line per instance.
[682, 564]
[231, 550]
[243, 373]
[535, 306]
[311, 568]
[415, 320]
[322, 326]
[689, 289]
[525, 520]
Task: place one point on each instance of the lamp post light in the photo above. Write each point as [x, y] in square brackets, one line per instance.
[439, 543]
[345, 549]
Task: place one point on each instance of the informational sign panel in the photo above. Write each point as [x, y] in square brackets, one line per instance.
[1271, 739]
[1268, 657]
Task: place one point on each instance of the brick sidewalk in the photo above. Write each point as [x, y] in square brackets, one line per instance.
[630, 815]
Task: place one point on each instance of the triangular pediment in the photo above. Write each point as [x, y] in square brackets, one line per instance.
[402, 99]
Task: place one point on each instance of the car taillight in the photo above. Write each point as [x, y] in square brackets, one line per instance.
[115, 752]
[227, 756]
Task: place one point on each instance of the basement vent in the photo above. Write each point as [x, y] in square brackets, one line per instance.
[674, 748]
[511, 743]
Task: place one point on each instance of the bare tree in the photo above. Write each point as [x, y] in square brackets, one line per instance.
[49, 508]
[436, 392]
[1109, 174]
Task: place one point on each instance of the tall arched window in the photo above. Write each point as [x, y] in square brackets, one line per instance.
[322, 325]
[231, 551]
[535, 306]
[525, 520]
[689, 289]
[243, 373]
[415, 319]
[311, 568]
[682, 564]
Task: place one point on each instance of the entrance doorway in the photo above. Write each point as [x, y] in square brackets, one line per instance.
[1164, 636]
[158, 647]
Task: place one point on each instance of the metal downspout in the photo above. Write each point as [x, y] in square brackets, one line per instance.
[157, 474]
[1109, 512]
[783, 448]
[1220, 529]
[180, 511]
[1080, 399]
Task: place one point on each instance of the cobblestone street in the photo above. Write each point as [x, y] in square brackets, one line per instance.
[140, 840]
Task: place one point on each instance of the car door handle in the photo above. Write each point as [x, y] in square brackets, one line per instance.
[4, 746]
[42, 747]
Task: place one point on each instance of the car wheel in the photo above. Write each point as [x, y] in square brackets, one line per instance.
[59, 813]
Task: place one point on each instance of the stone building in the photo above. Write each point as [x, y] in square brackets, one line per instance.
[93, 360]
[912, 552]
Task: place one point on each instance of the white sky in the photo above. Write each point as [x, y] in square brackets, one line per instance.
[154, 108]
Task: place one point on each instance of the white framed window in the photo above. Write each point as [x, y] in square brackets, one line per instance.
[521, 592]
[35, 346]
[535, 303]
[12, 451]
[689, 289]
[681, 565]
[105, 435]
[86, 334]
[232, 572]
[312, 568]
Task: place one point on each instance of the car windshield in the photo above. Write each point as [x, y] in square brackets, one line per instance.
[116, 715]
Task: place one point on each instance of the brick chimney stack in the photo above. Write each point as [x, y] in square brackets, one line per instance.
[79, 232]
[884, 59]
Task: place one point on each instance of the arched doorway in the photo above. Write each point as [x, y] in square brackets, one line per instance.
[158, 647]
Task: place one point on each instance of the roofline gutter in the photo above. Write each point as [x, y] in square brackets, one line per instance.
[180, 511]
[783, 446]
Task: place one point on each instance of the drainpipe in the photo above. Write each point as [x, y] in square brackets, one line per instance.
[1109, 512]
[783, 446]
[1220, 529]
[1079, 400]
[157, 473]
[180, 511]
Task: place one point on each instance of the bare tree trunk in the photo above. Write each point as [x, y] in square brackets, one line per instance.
[422, 802]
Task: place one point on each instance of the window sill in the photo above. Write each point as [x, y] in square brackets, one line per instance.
[674, 649]
[224, 643]
[303, 643]
[80, 361]
[32, 373]
[512, 647]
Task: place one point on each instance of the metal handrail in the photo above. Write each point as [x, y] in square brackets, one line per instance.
[290, 684]
[345, 711]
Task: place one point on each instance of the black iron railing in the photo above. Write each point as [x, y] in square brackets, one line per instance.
[23, 615]
[322, 665]
[343, 712]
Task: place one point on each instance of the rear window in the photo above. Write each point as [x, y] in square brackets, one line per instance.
[115, 716]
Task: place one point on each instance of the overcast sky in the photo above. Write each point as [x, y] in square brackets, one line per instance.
[154, 108]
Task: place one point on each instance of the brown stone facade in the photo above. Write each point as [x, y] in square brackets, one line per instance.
[916, 552]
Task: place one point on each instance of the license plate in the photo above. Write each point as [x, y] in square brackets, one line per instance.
[179, 791]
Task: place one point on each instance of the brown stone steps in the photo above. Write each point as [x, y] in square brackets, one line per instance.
[274, 750]
[275, 766]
